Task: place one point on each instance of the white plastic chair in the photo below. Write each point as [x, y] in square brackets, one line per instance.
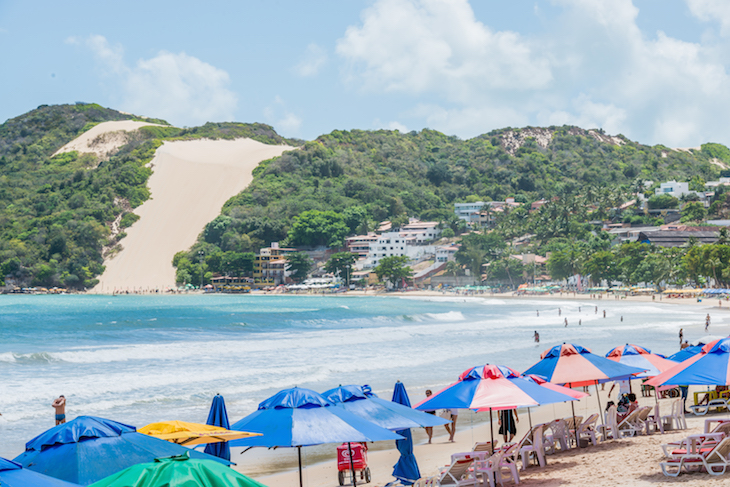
[610, 427]
[535, 447]
[559, 434]
[587, 429]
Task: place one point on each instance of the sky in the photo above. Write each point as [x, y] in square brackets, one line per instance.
[655, 71]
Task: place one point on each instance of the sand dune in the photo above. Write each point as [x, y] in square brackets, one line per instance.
[103, 139]
[191, 182]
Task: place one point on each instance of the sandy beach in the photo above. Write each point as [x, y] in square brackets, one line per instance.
[631, 461]
[190, 183]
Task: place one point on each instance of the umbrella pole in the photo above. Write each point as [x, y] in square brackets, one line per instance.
[600, 411]
[352, 465]
[491, 429]
[575, 426]
[529, 417]
[299, 451]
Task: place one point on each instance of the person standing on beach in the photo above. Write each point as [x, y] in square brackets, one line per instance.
[60, 406]
[707, 321]
[508, 424]
[429, 429]
[681, 336]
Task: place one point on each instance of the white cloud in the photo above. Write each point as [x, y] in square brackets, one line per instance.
[313, 60]
[177, 87]
[415, 47]
[709, 10]
[591, 66]
[284, 122]
[398, 126]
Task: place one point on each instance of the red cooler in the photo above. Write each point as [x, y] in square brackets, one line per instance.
[359, 461]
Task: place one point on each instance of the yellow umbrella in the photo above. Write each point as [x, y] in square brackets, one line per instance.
[184, 433]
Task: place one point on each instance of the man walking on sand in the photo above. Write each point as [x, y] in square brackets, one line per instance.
[60, 406]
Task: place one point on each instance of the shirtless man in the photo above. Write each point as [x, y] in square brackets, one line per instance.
[60, 406]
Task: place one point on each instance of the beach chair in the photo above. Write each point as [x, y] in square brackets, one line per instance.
[610, 428]
[701, 410]
[532, 445]
[499, 466]
[671, 420]
[654, 422]
[559, 434]
[723, 425]
[571, 424]
[715, 461]
[628, 426]
[457, 474]
[642, 420]
[710, 436]
[692, 443]
[587, 429]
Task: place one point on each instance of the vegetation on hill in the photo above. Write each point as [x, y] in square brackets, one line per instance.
[57, 213]
[363, 177]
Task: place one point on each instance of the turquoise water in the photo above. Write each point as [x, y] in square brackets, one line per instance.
[139, 359]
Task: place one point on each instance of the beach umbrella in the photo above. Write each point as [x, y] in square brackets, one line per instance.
[178, 471]
[541, 381]
[406, 470]
[642, 358]
[218, 416]
[386, 414]
[710, 367]
[190, 434]
[491, 387]
[14, 475]
[575, 366]
[300, 417]
[88, 449]
[685, 353]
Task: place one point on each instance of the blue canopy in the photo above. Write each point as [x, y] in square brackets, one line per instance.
[218, 417]
[88, 449]
[685, 353]
[386, 414]
[406, 470]
[301, 417]
[14, 475]
[711, 367]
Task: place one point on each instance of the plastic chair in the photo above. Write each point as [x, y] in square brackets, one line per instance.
[535, 447]
[587, 429]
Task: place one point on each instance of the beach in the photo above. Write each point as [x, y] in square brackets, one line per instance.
[141, 359]
[635, 461]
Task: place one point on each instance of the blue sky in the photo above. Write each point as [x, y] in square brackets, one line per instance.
[653, 70]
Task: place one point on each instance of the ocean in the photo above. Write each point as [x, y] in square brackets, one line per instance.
[140, 359]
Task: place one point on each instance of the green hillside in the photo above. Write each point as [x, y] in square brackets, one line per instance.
[370, 176]
[56, 213]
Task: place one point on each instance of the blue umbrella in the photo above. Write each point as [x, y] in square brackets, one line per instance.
[88, 449]
[406, 470]
[218, 417]
[14, 475]
[386, 414]
[300, 417]
[685, 353]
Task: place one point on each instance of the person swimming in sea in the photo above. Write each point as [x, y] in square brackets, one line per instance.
[536, 336]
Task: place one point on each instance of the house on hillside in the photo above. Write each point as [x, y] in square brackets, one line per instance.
[677, 238]
[269, 265]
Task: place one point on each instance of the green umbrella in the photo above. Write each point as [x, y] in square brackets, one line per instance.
[179, 471]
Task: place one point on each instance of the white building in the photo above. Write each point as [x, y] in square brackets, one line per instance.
[464, 211]
[421, 231]
[673, 188]
[392, 244]
[447, 253]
